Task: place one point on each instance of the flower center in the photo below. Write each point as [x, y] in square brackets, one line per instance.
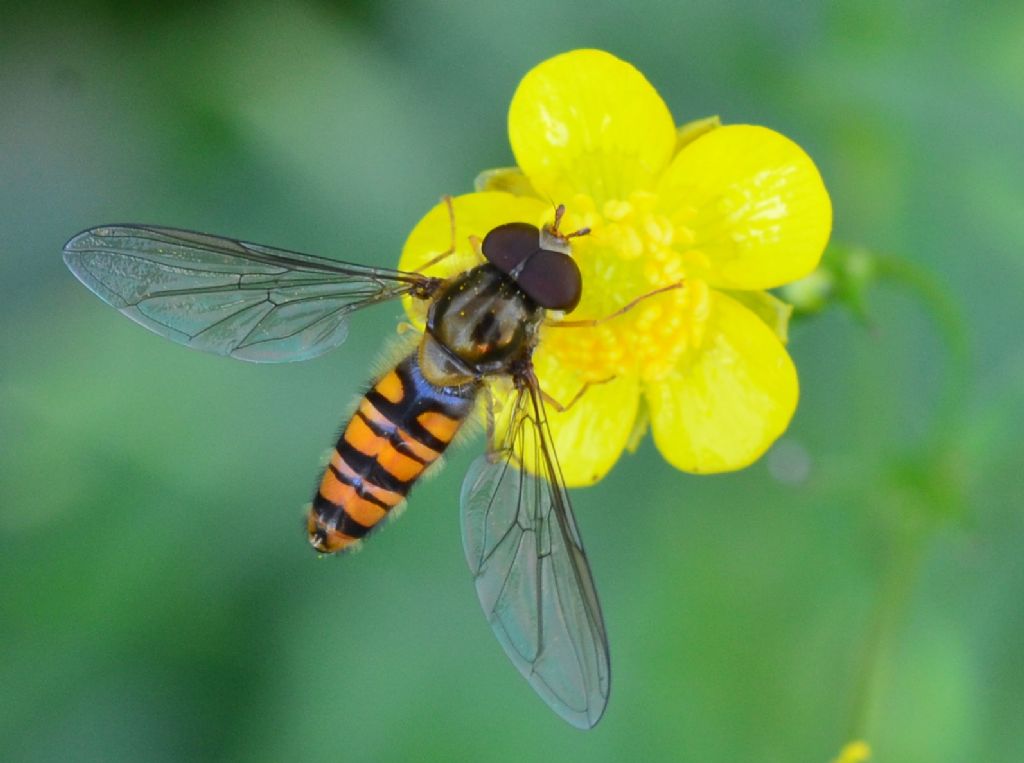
[631, 251]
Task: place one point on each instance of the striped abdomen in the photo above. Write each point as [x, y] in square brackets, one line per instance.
[402, 425]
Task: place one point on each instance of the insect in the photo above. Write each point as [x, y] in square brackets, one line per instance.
[262, 304]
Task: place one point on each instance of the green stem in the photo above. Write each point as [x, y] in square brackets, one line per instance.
[897, 586]
[913, 531]
[953, 331]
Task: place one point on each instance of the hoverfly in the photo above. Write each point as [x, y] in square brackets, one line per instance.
[266, 305]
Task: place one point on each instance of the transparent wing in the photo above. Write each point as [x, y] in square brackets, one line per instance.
[229, 297]
[531, 572]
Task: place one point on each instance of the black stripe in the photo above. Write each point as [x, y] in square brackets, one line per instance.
[392, 436]
[370, 470]
[404, 414]
[325, 511]
[360, 488]
[483, 330]
[345, 523]
[377, 428]
[406, 450]
[426, 397]
[350, 527]
[421, 396]
[421, 433]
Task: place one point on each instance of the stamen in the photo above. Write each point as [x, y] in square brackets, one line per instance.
[632, 253]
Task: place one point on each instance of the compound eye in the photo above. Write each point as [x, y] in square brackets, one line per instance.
[509, 245]
[552, 280]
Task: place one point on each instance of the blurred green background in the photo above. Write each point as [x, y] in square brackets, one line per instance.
[158, 600]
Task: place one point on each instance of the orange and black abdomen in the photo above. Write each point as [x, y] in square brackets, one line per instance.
[403, 424]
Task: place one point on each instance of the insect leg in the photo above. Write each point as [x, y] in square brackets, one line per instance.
[451, 246]
[489, 402]
[589, 322]
[478, 246]
[563, 408]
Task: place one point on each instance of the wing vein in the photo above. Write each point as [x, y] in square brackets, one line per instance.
[229, 297]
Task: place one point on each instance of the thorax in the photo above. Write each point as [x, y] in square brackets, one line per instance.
[480, 323]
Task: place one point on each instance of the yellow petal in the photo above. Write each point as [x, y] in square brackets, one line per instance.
[728, 400]
[587, 122]
[590, 435]
[475, 215]
[754, 206]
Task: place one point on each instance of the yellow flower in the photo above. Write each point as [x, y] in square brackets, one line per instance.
[857, 751]
[727, 211]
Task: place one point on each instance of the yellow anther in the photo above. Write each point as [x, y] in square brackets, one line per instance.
[616, 209]
[658, 229]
